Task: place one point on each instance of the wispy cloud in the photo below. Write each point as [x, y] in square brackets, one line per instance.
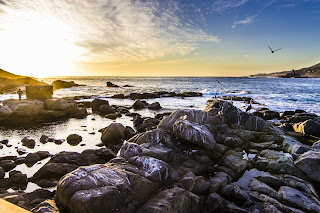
[247, 20]
[222, 5]
[288, 5]
[114, 30]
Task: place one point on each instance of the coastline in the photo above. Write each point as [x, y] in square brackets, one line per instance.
[234, 136]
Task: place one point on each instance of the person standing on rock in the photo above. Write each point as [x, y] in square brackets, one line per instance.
[20, 94]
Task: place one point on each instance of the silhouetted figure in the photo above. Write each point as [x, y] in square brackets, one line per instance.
[293, 73]
[272, 51]
[19, 92]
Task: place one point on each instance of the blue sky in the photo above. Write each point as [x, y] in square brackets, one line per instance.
[158, 37]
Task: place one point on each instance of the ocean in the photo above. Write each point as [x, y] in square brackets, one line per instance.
[278, 94]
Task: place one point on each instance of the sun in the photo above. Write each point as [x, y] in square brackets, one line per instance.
[38, 46]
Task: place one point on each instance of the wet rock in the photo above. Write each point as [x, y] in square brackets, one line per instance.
[154, 106]
[129, 133]
[138, 104]
[60, 104]
[113, 134]
[121, 186]
[96, 103]
[309, 127]
[30, 143]
[110, 84]
[33, 158]
[269, 115]
[137, 120]
[195, 184]
[18, 180]
[7, 165]
[74, 139]
[233, 115]
[105, 109]
[2, 173]
[316, 146]
[47, 206]
[256, 185]
[309, 163]
[218, 180]
[113, 116]
[235, 161]
[44, 139]
[65, 162]
[118, 96]
[29, 200]
[157, 136]
[21, 151]
[277, 162]
[171, 201]
[194, 133]
[233, 141]
[59, 141]
[194, 116]
[215, 203]
[297, 199]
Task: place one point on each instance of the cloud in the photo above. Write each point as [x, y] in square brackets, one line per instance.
[247, 20]
[222, 5]
[115, 30]
[288, 5]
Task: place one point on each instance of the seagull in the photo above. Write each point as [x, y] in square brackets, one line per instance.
[272, 51]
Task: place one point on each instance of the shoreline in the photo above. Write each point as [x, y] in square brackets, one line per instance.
[37, 158]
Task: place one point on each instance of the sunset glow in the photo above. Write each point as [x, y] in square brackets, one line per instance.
[156, 38]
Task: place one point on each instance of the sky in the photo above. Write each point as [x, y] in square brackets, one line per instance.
[157, 37]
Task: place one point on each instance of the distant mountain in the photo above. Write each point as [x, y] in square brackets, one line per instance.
[5, 74]
[308, 72]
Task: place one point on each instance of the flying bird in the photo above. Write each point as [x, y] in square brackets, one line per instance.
[272, 51]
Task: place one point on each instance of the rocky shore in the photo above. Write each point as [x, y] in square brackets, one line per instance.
[219, 159]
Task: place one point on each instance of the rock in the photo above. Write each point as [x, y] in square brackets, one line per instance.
[129, 133]
[233, 141]
[269, 115]
[65, 162]
[106, 109]
[7, 165]
[309, 127]
[138, 104]
[316, 146]
[118, 96]
[44, 139]
[113, 134]
[113, 116]
[154, 106]
[277, 162]
[235, 161]
[79, 112]
[110, 84]
[297, 199]
[31, 159]
[96, 103]
[218, 180]
[60, 104]
[233, 115]
[59, 84]
[121, 186]
[2, 173]
[74, 139]
[194, 133]
[30, 143]
[21, 151]
[215, 203]
[18, 180]
[47, 206]
[171, 201]
[39, 92]
[137, 120]
[194, 116]
[157, 136]
[309, 164]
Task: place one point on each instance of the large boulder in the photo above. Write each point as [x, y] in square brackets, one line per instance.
[113, 186]
[96, 103]
[39, 92]
[309, 164]
[233, 115]
[157, 136]
[309, 127]
[113, 134]
[194, 133]
[74, 139]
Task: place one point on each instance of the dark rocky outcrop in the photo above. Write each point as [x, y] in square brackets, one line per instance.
[74, 139]
[59, 84]
[110, 84]
[113, 134]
